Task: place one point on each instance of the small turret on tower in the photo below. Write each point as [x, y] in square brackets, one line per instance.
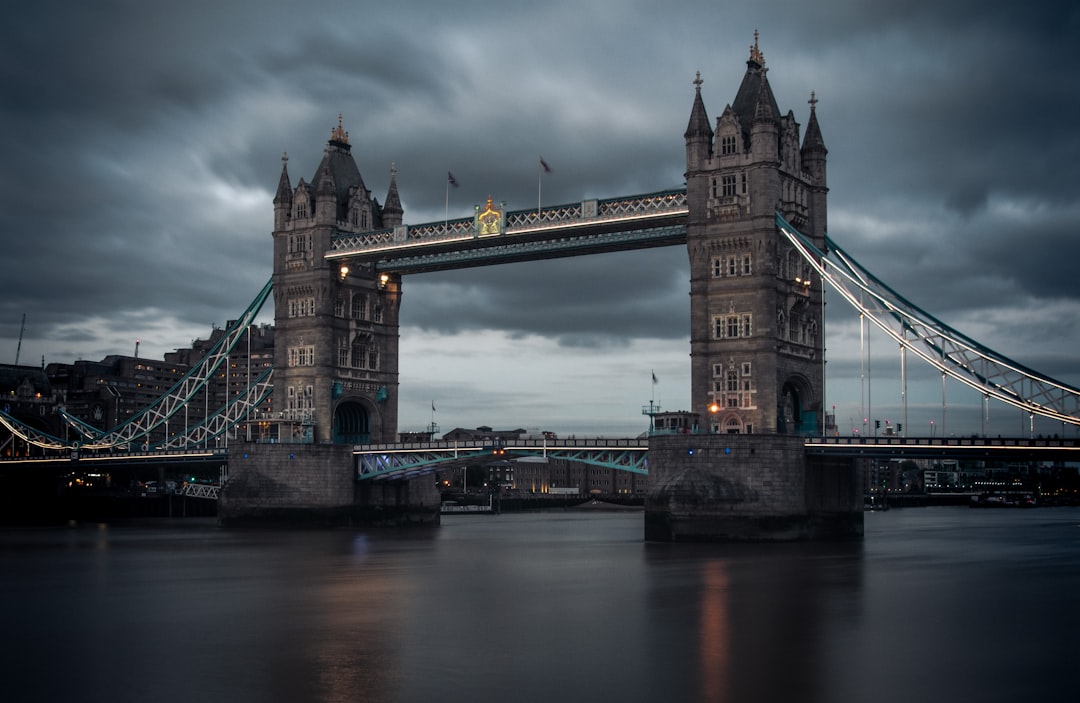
[392, 212]
[283, 199]
[699, 134]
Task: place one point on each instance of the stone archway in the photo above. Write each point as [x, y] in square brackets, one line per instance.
[352, 424]
[795, 412]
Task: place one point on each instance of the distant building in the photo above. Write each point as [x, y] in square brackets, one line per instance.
[481, 433]
[28, 396]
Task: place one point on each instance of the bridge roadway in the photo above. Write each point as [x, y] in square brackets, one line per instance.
[407, 460]
[150, 456]
[589, 227]
[395, 461]
[985, 448]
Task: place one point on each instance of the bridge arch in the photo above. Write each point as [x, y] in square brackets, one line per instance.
[352, 422]
[796, 410]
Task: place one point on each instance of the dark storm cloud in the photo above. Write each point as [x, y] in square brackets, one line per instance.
[578, 301]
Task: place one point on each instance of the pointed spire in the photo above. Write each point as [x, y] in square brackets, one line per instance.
[813, 140]
[284, 188]
[392, 210]
[699, 119]
[765, 109]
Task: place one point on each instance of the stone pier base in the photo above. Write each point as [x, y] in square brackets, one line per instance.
[741, 488]
[315, 485]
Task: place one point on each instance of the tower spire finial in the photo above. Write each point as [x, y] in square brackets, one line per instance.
[812, 101]
[698, 81]
[338, 134]
[755, 53]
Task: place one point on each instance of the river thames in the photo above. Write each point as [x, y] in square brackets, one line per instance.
[936, 604]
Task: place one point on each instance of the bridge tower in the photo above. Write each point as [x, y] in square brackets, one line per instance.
[757, 332]
[756, 340]
[336, 340]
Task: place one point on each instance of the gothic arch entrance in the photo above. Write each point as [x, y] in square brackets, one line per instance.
[795, 415]
[351, 424]
[731, 425]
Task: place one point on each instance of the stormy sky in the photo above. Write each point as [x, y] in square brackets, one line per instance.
[142, 144]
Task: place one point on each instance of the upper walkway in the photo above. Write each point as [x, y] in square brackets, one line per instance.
[495, 236]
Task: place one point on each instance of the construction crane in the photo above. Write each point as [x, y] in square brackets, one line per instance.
[22, 329]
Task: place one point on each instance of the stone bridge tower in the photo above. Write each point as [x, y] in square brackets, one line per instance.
[336, 341]
[757, 333]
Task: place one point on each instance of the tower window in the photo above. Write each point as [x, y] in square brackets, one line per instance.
[728, 182]
[733, 326]
[727, 144]
[359, 307]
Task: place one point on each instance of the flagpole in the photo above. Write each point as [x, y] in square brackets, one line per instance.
[446, 210]
[541, 168]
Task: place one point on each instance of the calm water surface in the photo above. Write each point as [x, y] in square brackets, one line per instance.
[938, 604]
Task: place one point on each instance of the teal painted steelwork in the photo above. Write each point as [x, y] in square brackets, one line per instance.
[936, 343]
[407, 461]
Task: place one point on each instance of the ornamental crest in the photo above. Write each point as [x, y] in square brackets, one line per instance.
[491, 220]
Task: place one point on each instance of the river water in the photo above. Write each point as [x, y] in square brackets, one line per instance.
[936, 604]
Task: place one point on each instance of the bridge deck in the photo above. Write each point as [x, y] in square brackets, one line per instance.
[999, 449]
[413, 459]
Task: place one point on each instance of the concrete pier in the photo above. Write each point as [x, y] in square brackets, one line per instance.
[742, 488]
[315, 485]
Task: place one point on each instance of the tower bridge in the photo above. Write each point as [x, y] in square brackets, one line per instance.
[753, 219]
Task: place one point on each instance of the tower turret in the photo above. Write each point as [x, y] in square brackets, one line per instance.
[699, 135]
[814, 156]
[392, 212]
[283, 199]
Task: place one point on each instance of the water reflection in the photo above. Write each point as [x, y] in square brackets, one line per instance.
[762, 616]
[543, 607]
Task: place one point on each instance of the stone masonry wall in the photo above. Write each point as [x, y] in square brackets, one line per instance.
[720, 487]
[315, 484]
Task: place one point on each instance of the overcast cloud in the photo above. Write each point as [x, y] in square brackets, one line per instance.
[142, 144]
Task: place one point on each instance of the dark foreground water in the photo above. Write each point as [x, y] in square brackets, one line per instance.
[937, 604]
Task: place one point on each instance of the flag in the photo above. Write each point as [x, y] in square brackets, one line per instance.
[654, 378]
[544, 165]
[451, 180]
[433, 406]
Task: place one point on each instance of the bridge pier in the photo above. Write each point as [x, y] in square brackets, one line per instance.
[747, 488]
[315, 485]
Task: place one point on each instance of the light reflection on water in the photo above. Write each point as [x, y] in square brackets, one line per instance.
[935, 604]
